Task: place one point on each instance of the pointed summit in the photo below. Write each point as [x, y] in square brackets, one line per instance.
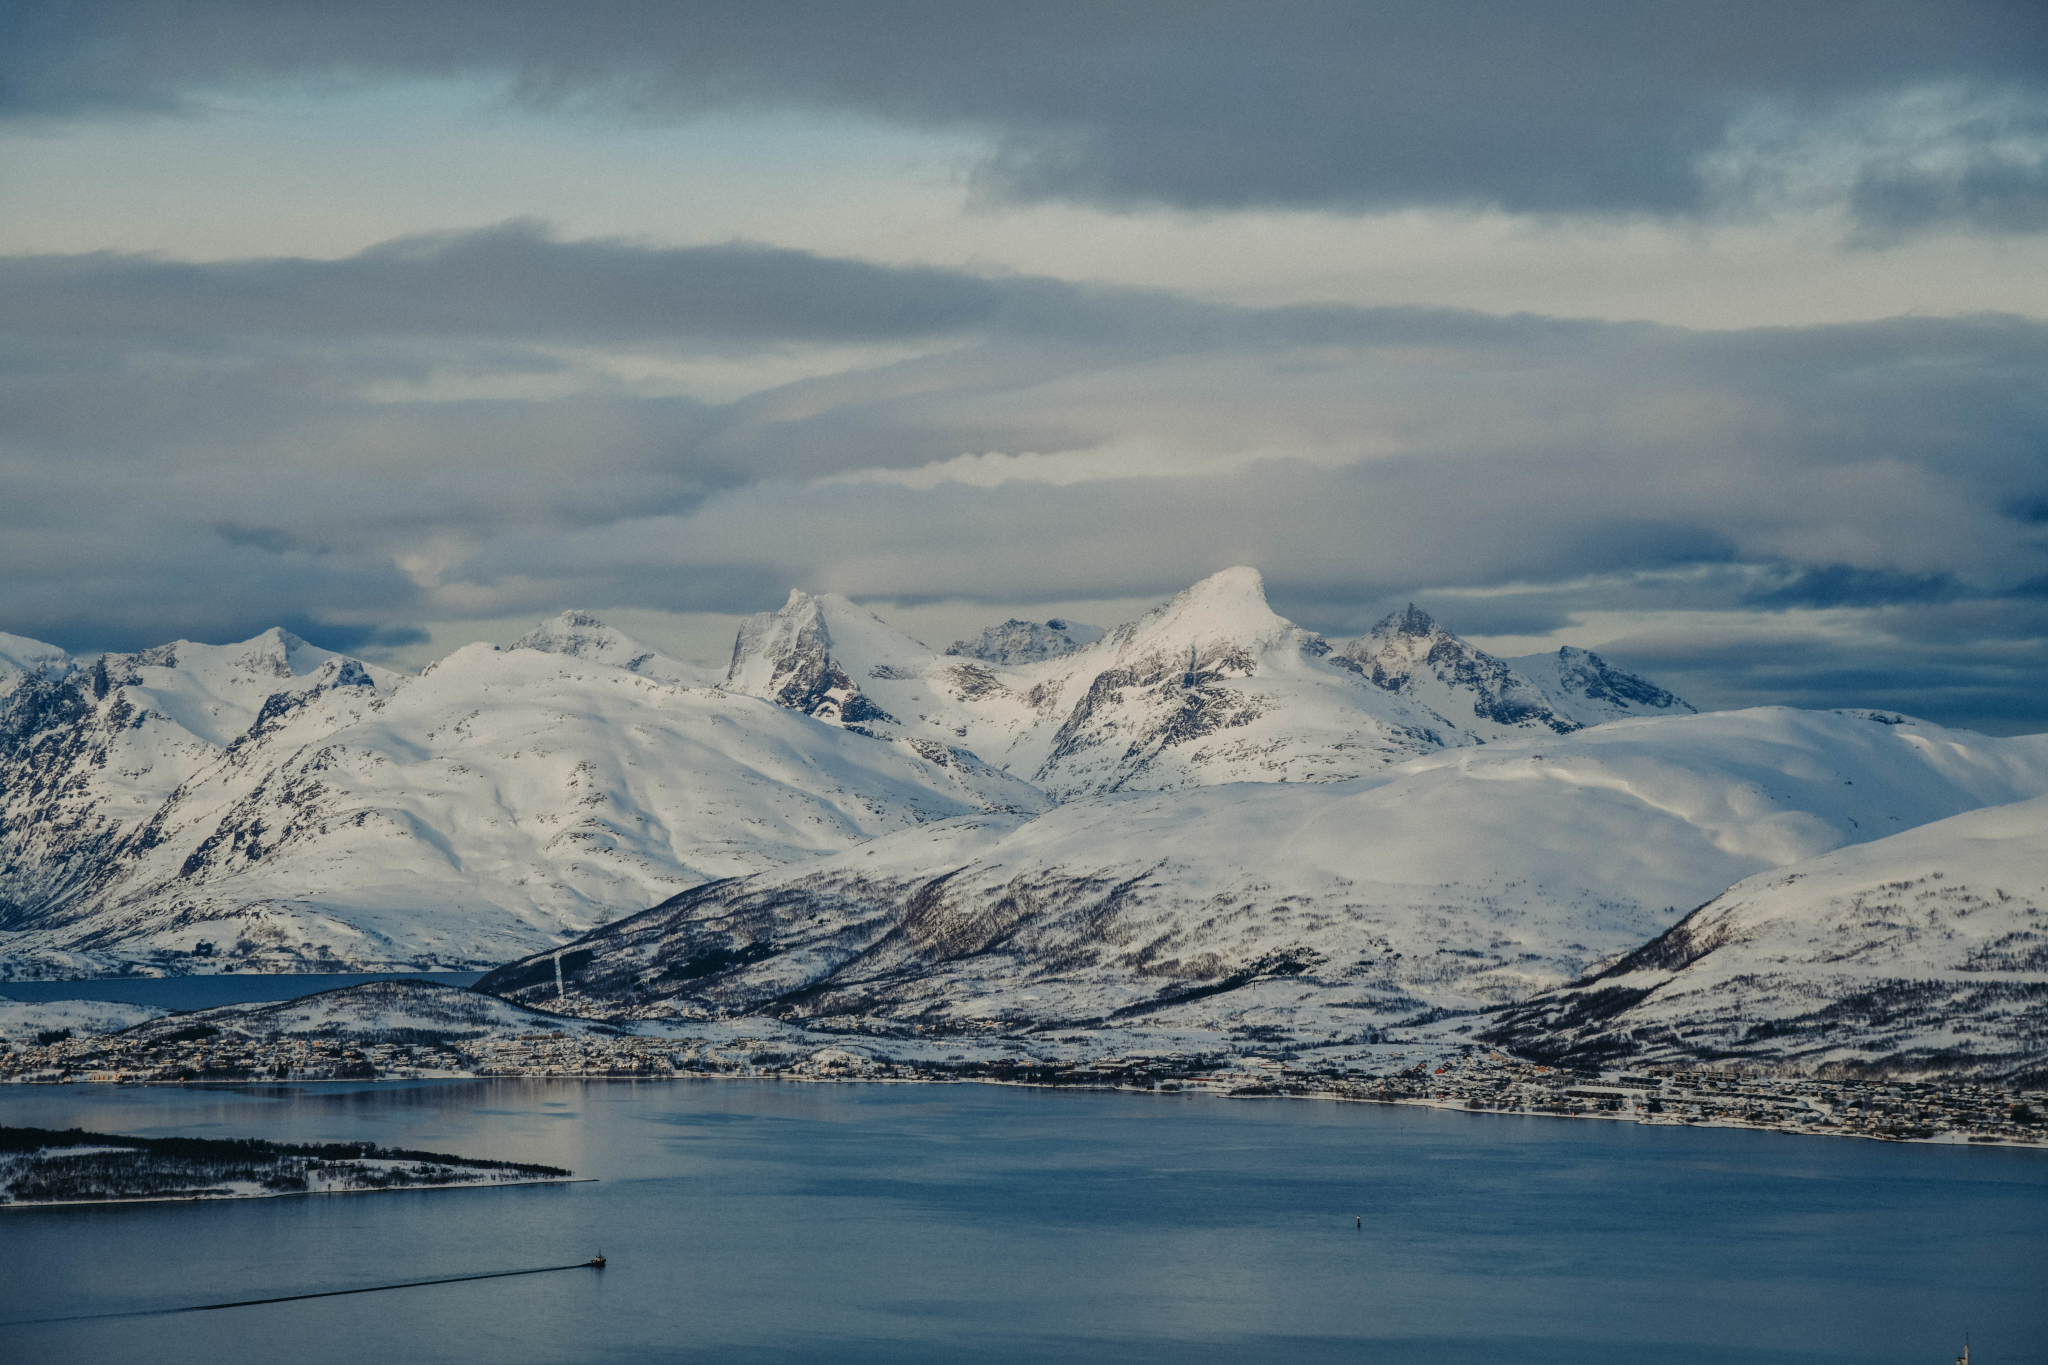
[788, 657]
[1225, 617]
[1414, 623]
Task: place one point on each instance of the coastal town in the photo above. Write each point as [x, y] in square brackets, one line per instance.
[1462, 1076]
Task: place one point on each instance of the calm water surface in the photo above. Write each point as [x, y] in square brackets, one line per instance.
[762, 1221]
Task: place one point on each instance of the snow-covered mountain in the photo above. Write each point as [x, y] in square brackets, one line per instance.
[1210, 687]
[1580, 686]
[1205, 820]
[1412, 655]
[23, 659]
[1460, 881]
[496, 803]
[1923, 953]
[89, 752]
[580, 635]
[1027, 642]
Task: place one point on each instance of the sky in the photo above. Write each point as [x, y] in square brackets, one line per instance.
[1711, 337]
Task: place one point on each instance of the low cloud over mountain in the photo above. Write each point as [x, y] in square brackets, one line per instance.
[208, 448]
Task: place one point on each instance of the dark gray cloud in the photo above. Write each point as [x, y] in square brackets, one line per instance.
[1974, 663]
[510, 281]
[207, 450]
[1586, 106]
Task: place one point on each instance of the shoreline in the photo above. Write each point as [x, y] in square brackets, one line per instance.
[1642, 1120]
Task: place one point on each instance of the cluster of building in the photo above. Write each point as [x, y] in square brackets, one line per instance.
[1470, 1077]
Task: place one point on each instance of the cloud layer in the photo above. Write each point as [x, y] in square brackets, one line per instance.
[1907, 114]
[481, 425]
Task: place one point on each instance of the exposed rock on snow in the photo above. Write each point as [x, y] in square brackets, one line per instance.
[1210, 687]
[1410, 654]
[88, 754]
[1580, 686]
[1027, 642]
[1923, 953]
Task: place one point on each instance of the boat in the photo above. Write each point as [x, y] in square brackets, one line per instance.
[596, 1262]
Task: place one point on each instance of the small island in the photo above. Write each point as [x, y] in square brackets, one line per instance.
[44, 1166]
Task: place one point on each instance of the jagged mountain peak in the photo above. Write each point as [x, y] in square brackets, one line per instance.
[1412, 623]
[1409, 653]
[272, 654]
[1586, 688]
[1027, 642]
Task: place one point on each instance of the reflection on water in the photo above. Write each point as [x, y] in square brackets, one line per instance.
[763, 1221]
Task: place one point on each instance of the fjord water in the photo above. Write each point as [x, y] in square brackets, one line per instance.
[764, 1221]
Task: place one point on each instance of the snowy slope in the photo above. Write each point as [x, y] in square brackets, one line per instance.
[1918, 954]
[494, 804]
[1460, 881]
[21, 1022]
[1210, 687]
[582, 636]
